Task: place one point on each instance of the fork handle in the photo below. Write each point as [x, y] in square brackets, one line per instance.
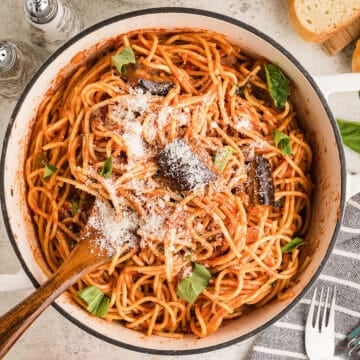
[354, 333]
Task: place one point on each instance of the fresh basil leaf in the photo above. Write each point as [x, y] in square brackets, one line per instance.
[282, 141]
[350, 133]
[99, 306]
[103, 307]
[190, 287]
[106, 170]
[124, 57]
[293, 244]
[222, 157]
[89, 293]
[277, 84]
[98, 303]
[286, 148]
[49, 170]
[74, 207]
[95, 303]
[202, 272]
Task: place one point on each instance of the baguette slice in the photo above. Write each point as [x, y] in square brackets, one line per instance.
[342, 38]
[316, 20]
[355, 65]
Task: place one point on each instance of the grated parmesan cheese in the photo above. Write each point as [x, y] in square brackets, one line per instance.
[183, 117]
[131, 105]
[135, 145]
[127, 113]
[153, 225]
[156, 221]
[243, 123]
[163, 116]
[114, 231]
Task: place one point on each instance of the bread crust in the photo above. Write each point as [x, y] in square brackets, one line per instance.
[355, 64]
[309, 35]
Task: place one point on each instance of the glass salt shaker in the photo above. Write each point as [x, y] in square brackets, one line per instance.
[18, 62]
[51, 22]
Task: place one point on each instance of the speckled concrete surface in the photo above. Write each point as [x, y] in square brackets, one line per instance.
[54, 337]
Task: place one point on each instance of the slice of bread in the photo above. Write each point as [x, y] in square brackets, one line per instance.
[316, 20]
[355, 64]
[342, 38]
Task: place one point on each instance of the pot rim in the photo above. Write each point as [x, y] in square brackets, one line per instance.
[209, 14]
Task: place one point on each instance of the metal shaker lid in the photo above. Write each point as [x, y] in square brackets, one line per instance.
[7, 56]
[41, 11]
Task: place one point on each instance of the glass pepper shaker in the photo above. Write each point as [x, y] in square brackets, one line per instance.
[51, 22]
[18, 63]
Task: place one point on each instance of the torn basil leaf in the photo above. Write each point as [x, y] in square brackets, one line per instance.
[192, 286]
[89, 294]
[277, 84]
[49, 170]
[103, 307]
[222, 157]
[293, 244]
[98, 303]
[124, 57]
[282, 141]
[350, 133]
[106, 170]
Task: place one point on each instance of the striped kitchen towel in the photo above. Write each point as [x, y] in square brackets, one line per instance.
[285, 339]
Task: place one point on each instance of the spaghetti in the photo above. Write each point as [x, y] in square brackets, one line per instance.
[99, 135]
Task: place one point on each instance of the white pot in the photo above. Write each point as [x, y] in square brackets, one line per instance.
[329, 173]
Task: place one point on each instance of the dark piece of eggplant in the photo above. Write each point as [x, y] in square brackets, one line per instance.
[155, 88]
[260, 186]
[180, 165]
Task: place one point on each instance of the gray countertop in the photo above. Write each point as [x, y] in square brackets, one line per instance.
[54, 337]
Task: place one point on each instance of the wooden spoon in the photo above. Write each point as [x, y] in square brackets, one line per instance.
[83, 259]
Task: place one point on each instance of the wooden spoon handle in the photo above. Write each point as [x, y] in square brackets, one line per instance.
[82, 260]
[18, 319]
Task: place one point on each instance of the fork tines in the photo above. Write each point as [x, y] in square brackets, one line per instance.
[325, 314]
[320, 325]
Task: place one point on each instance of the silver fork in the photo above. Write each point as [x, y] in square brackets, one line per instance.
[354, 342]
[349, 348]
[320, 327]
